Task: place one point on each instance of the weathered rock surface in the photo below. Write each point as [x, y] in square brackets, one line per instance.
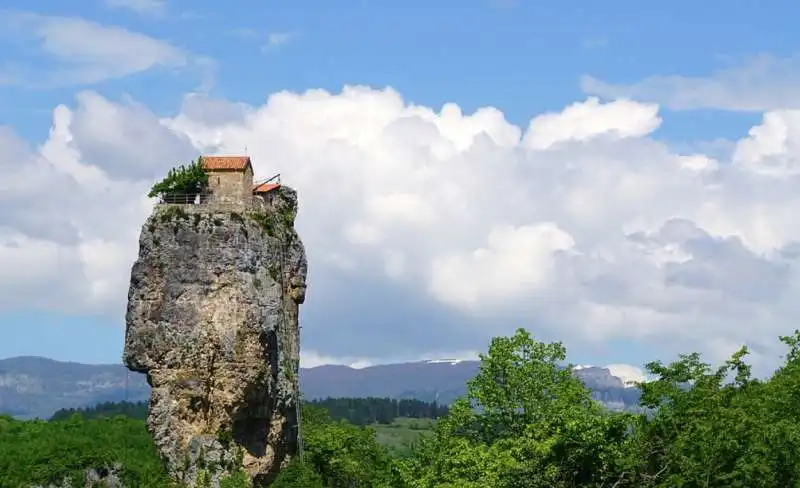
[103, 477]
[212, 320]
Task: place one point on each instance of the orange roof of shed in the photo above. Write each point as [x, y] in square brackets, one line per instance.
[265, 187]
[225, 162]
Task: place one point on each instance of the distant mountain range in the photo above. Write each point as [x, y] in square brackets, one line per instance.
[36, 387]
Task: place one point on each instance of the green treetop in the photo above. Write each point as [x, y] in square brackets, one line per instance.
[183, 182]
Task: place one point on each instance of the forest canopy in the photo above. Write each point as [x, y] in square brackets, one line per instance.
[525, 422]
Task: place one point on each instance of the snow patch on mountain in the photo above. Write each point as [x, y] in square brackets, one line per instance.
[630, 375]
[452, 362]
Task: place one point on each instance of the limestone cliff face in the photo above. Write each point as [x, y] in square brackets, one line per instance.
[212, 320]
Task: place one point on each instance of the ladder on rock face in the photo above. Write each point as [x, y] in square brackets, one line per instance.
[300, 446]
[298, 401]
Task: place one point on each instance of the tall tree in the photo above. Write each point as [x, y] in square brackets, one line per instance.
[525, 422]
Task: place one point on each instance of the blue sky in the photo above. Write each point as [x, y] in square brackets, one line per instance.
[523, 58]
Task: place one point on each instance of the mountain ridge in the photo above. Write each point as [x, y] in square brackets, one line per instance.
[35, 386]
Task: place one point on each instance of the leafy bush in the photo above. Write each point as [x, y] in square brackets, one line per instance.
[239, 479]
[298, 474]
[185, 181]
[343, 454]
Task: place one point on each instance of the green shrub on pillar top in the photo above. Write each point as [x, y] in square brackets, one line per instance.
[181, 184]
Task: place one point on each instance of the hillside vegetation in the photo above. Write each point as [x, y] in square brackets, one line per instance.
[524, 423]
[357, 411]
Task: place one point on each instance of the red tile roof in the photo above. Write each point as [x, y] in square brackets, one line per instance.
[265, 187]
[225, 162]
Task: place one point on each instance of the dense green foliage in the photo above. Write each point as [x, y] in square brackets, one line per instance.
[535, 428]
[134, 410]
[181, 183]
[336, 453]
[341, 454]
[36, 452]
[357, 411]
[524, 423]
[365, 411]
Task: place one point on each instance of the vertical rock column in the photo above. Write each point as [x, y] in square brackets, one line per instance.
[212, 320]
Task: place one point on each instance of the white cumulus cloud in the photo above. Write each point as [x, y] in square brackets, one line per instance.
[629, 375]
[87, 52]
[582, 121]
[431, 229]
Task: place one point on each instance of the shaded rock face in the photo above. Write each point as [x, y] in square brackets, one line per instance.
[212, 320]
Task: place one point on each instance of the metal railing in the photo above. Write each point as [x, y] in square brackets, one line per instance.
[207, 201]
[275, 179]
[185, 198]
